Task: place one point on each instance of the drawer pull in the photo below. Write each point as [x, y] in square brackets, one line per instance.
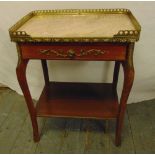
[71, 53]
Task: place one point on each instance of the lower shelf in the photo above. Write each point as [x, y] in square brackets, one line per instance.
[84, 100]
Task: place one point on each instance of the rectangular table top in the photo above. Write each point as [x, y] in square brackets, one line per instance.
[77, 25]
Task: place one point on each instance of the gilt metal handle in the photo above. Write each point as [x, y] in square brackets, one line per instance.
[71, 53]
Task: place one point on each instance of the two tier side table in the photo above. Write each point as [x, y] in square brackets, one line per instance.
[79, 35]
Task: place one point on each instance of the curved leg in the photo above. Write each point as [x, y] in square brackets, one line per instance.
[21, 75]
[128, 81]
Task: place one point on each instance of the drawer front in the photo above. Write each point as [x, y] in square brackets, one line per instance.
[74, 52]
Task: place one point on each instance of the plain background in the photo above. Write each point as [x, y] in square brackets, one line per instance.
[144, 54]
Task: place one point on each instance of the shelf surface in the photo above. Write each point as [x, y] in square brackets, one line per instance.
[83, 100]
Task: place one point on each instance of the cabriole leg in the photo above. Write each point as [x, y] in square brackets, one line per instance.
[128, 69]
[21, 75]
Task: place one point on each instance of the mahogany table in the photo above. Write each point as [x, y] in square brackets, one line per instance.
[79, 35]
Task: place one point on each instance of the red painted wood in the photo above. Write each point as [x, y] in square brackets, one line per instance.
[78, 100]
[45, 71]
[116, 73]
[87, 100]
[21, 75]
[112, 51]
[128, 69]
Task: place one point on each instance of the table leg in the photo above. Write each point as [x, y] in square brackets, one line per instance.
[128, 69]
[45, 72]
[21, 75]
[116, 73]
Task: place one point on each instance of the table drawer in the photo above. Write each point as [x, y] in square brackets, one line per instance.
[74, 52]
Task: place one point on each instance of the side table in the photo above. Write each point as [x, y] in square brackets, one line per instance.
[79, 35]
